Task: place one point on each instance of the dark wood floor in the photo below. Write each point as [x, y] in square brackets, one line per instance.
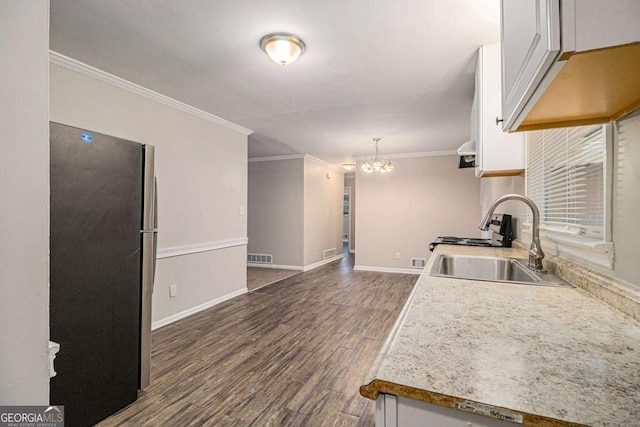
[290, 354]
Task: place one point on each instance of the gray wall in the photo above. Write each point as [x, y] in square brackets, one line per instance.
[295, 211]
[276, 210]
[323, 195]
[24, 203]
[404, 210]
[201, 169]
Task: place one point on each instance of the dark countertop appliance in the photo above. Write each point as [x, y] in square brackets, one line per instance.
[501, 235]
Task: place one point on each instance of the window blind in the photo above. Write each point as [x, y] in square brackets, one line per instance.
[566, 178]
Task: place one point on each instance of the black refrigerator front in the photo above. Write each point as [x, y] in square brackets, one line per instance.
[97, 206]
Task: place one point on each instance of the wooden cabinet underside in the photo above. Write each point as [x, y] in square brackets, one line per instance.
[592, 87]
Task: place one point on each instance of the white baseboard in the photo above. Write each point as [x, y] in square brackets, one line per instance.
[281, 267]
[323, 262]
[416, 271]
[196, 309]
[295, 267]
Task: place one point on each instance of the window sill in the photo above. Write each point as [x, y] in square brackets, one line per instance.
[573, 248]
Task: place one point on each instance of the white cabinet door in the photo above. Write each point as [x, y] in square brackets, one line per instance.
[498, 153]
[530, 37]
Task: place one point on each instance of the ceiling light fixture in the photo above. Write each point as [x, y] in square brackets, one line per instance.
[283, 48]
[349, 166]
[377, 164]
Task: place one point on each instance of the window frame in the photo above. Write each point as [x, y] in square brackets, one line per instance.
[572, 242]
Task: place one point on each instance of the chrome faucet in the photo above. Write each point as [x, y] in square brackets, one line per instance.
[535, 251]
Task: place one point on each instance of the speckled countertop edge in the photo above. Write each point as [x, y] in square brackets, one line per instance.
[376, 383]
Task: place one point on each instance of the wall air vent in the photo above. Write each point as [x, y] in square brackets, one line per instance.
[260, 258]
[418, 262]
[329, 253]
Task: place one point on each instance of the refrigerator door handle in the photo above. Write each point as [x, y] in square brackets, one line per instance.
[155, 232]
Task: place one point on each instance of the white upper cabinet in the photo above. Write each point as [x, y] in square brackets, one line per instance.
[497, 153]
[568, 62]
[531, 44]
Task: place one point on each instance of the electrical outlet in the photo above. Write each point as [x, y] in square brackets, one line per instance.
[173, 291]
[397, 255]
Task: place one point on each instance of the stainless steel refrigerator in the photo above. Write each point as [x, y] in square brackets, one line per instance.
[103, 246]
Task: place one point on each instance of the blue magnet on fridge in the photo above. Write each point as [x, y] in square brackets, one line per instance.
[87, 137]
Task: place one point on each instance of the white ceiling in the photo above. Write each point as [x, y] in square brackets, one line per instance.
[401, 70]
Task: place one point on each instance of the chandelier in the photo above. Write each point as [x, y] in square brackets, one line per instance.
[377, 164]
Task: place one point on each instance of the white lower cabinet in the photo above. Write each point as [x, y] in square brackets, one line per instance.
[398, 411]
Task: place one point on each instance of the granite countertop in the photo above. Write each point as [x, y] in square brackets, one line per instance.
[557, 356]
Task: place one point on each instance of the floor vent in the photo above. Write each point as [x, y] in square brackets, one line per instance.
[329, 253]
[260, 258]
[418, 262]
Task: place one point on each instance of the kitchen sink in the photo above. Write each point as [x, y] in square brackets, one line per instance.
[492, 269]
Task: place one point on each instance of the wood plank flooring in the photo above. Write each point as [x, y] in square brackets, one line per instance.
[293, 353]
[258, 277]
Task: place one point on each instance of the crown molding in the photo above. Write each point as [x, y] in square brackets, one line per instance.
[323, 163]
[360, 158]
[275, 158]
[412, 155]
[95, 73]
[296, 156]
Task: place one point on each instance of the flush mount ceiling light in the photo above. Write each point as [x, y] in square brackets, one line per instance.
[348, 166]
[283, 48]
[377, 164]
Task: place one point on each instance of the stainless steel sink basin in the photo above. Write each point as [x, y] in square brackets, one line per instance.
[493, 269]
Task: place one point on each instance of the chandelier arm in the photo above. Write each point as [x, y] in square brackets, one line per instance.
[377, 164]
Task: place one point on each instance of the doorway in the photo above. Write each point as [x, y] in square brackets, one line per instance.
[346, 217]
